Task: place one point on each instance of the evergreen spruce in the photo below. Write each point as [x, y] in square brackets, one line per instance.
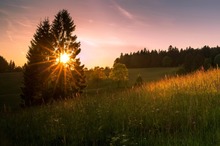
[3, 64]
[35, 70]
[46, 77]
[70, 80]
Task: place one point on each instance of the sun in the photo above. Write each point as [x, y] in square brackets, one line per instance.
[63, 58]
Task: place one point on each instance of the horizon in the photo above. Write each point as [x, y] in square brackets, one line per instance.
[108, 28]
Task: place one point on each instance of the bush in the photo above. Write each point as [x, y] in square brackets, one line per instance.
[139, 81]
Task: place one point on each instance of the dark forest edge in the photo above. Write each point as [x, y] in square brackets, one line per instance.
[8, 66]
[189, 59]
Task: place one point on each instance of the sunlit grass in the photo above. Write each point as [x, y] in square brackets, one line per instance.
[184, 110]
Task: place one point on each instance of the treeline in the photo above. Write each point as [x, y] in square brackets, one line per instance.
[188, 59]
[8, 66]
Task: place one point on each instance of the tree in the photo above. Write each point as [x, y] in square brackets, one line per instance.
[119, 73]
[35, 70]
[207, 63]
[139, 81]
[3, 64]
[217, 60]
[96, 75]
[11, 65]
[188, 63]
[52, 70]
[70, 78]
[167, 61]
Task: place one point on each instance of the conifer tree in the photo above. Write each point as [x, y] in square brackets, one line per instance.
[53, 70]
[3, 64]
[70, 80]
[35, 70]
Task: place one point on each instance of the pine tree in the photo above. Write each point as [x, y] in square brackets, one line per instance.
[70, 78]
[52, 70]
[3, 64]
[11, 66]
[35, 70]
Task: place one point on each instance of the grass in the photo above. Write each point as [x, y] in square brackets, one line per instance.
[174, 111]
[150, 74]
[10, 84]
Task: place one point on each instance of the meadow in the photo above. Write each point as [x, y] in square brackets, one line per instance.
[180, 110]
[11, 83]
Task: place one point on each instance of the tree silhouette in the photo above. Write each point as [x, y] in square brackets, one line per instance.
[11, 66]
[70, 78]
[217, 60]
[188, 59]
[167, 61]
[35, 70]
[3, 64]
[46, 75]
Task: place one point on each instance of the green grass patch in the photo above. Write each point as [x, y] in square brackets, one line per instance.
[173, 111]
[10, 89]
[10, 85]
[150, 74]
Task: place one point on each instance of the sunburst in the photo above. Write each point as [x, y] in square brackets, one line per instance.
[63, 58]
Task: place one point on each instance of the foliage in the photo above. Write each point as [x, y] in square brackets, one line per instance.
[183, 110]
[139, 81]
[11, 65]
[167, 61]
[217, 60]
[119, 73]
[45, 78]
[190, 59]
[70, 78]
[35, 71]
[3, 64]
[207, 63]
[8, 67]
[96, 75]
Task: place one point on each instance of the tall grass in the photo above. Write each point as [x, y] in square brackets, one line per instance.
[174, 111]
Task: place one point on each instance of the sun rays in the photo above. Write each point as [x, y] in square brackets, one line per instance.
[63, 58]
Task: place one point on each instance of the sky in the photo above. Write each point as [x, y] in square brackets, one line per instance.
[107, 28]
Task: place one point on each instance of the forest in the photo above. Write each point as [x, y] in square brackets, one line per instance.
[189, 59]
[8, 66]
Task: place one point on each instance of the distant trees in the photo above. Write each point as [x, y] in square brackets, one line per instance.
[217, 60]
[11, 66]
[167, 61]
[3, 64]
[119, 73]
[189, 59]
[8, 67]
[96, 75]
[46, 75]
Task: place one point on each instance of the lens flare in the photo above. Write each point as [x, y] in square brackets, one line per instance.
[63, 58]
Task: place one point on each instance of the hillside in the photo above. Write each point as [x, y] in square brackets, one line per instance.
[182, 110]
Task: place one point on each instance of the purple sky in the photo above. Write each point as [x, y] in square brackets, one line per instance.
[106, 28]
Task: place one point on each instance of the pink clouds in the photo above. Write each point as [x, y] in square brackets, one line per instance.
[106, 28]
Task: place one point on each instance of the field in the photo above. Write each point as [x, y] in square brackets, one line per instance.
[150, 74]
[10, 84]
[180, 110]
